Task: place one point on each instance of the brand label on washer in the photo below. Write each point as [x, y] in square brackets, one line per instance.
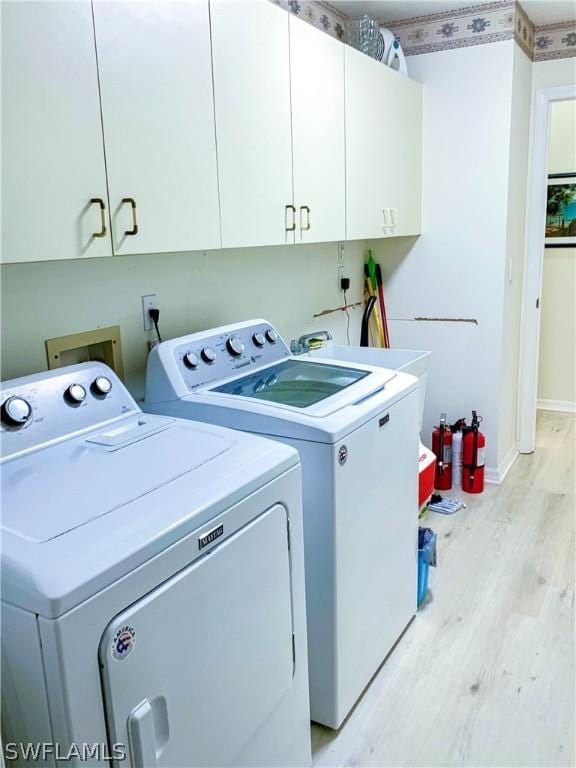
[211, 536]
[342, 454]
[123, 642]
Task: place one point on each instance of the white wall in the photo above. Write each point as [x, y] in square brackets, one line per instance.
[557, 362]
[286, 285]
[549, 74]
[562, 137]
[455, 269]
[513, 266]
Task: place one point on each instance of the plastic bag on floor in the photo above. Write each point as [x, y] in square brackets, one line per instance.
[427, 545]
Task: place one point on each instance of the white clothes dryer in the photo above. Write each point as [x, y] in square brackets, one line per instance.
[152, 583]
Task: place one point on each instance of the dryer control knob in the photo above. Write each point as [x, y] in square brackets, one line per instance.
[101, 386]
[258, 339]
[190, 359]
[235, 345]
[75, 394]
[208, 355]
[16, 412]
[271, 335]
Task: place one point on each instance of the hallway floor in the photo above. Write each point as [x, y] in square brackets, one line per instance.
[485, 674]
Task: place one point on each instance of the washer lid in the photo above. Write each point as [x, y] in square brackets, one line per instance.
[54, 491]
[327, 421]
[295, 382]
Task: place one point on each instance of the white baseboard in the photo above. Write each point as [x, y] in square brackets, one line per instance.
[506, 464]
[564, 406]
[495, 475]
[491, 475]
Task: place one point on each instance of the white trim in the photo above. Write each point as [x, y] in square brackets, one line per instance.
[491, 476]
[506, 464]
[564, 406]
[496, 476]
[532, 282]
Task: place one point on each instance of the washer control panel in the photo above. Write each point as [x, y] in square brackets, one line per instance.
[46, 406]
[204, 360]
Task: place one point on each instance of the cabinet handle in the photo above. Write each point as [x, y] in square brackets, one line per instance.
[100, 203]
[393, 217]
[130, 201]
[292, 227]
[307, 209]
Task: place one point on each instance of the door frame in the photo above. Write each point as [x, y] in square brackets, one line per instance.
[534, 260]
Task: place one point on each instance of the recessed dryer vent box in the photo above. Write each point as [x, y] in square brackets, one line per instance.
[101, 345]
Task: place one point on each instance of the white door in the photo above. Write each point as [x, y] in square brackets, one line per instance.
[193, 670]
[250, 49]
[383, 150]
[158, 114]
[54, 196]
[317, 83]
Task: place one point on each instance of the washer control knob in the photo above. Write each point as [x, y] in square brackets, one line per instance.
[271, 335]
[208, 355]
[258, 339]
[191, 360]
[101, 386]
[235, 345]
[75, 394]
[16, 412]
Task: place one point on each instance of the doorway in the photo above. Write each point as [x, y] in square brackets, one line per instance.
[534, 268]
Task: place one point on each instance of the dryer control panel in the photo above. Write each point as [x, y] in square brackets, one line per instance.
[232, 350]
[43, 407]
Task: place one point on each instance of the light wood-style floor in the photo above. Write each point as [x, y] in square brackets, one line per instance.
[485, 674]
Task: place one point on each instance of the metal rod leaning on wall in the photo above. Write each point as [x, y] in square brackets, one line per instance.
[338, 309]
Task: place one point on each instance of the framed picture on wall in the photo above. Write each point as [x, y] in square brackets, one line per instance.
[561, 211]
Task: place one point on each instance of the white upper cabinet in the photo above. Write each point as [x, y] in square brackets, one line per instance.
[150, 126]
[158, 114]
[383, 150]
[54, 202]
[250, 49]
[317, 82]
[404, 161]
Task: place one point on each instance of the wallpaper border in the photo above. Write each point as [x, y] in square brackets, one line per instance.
[470, 25]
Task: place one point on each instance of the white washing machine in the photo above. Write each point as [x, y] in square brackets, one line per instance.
[356, 430]
[152, 584]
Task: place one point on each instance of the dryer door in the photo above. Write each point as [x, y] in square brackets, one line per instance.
[192, 670]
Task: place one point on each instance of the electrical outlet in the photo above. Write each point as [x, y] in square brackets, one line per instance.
[148, 302]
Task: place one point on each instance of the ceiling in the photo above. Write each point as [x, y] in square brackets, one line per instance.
[549, 11]
[540, 11]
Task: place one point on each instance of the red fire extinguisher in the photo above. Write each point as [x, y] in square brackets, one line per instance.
[473, 446]
[442, 447]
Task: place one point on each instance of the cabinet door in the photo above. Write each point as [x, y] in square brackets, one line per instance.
[405, 155]
[52, 152]
[158, 114]
[250, 49]
[317, 83]
[383, 150]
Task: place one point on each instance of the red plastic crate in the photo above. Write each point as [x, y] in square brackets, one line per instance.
[426, 467]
